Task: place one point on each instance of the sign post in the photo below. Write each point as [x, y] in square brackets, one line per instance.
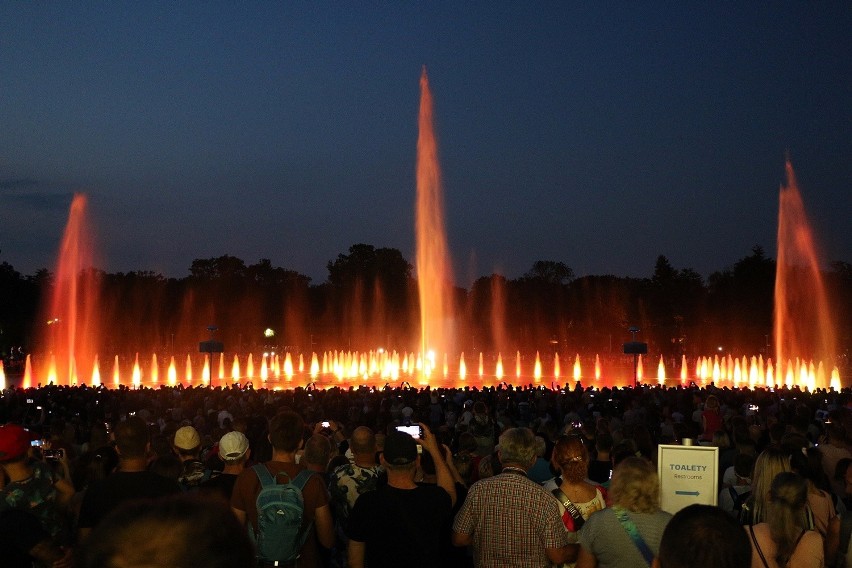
[688, 475]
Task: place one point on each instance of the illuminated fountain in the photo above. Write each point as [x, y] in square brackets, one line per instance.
[71, 318]
[73, 333]
[434, 274]
[804, 326]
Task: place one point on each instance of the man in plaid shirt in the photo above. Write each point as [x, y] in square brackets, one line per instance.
[509, 520]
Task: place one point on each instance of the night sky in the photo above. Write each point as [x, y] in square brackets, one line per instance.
[597, 134]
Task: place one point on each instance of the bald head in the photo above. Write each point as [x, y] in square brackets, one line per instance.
[363, 441]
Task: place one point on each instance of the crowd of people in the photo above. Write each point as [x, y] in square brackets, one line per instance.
[498, 476]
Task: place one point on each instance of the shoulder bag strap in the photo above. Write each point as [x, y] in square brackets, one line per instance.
[757, 546]
[633, 532]
[569, 506]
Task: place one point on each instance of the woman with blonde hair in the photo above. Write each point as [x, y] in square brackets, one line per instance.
[769, 463]
[578, 498]
[626, 534]
[784, 539]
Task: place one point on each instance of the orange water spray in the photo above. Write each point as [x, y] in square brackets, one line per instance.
[804, 324]
[96, 373]
[434, 275]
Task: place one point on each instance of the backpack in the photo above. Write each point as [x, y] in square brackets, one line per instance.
[280, 508]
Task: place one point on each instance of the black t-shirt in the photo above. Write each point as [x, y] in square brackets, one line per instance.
[105, 495]
[402, 527]
[220, 486]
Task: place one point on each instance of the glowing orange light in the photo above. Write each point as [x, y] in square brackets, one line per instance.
[537, 368]
[598, 370]
[96, 374]
[235, 369]
[136, 377]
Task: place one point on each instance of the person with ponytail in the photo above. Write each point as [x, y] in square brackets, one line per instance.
[784, 540]
[577, 498]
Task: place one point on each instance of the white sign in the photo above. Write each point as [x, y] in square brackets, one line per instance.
[688, 474]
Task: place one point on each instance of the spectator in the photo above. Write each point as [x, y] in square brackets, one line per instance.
[834, 448]
[577, 498]
[731, 498]
[600, 468]
[234, 452]
[701, 536]
[350, 481]
[820, 503]
[401, 522]
[769, 463]
[540, 471]
[185, 531]
[711, 419]
[628, 533]
[843, 477]
[466, 460]
[33, 485]
[508, 519]
[131, 480]
[784, 540]
[187, 447]
[285, 434]
[483, 428]
[319, 450]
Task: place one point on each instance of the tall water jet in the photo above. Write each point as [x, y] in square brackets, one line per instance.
[803, 322]
[69, 316]
[434, 274]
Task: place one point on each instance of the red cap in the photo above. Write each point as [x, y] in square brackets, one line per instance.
[14, 441]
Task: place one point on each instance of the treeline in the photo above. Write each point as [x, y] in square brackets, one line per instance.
[370, 300]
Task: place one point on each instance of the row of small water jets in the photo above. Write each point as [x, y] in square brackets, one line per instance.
[337, 367]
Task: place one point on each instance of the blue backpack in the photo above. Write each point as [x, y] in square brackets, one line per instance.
[280, 508]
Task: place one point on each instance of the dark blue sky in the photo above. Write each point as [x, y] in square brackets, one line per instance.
[600, 136]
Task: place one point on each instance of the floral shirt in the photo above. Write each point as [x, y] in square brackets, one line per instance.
[36, 494]
[346, 484]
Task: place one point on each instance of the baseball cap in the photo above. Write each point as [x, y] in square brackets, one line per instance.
[187, 438]
[233, 445]
[14, 441]
[400, 448]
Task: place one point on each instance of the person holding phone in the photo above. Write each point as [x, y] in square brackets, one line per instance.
[403, 523]
[351, 480]
[33, 485]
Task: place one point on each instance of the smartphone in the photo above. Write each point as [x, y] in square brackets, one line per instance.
[414, 431]
[36, 443]
[56, 454]
[326, 424]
